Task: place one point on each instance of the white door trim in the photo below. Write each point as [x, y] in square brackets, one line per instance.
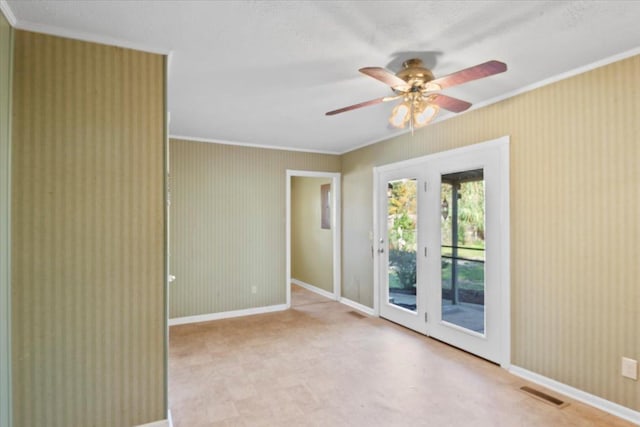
[505, 246]
[502, 144]
[335, 229]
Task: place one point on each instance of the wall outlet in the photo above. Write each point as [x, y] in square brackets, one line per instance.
[254, 290]
[629, 368]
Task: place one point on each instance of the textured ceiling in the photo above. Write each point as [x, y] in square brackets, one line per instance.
[265, 72]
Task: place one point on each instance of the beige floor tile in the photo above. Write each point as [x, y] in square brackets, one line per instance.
[317, 364]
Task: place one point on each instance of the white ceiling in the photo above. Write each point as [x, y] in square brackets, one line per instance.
[265, 72]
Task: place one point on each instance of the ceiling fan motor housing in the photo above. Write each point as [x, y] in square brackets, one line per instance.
[414, 73]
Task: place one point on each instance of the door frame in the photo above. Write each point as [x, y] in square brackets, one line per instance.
[502, 144]
[335, 228]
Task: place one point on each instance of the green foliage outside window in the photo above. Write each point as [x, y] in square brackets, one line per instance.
[402, 215]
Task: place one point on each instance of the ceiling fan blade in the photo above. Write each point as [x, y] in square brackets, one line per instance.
[448, 103]
[385, 76]
[362, 104]
[473, 73]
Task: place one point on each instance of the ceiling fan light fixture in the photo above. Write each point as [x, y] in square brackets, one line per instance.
[400, 115]
[423, 115]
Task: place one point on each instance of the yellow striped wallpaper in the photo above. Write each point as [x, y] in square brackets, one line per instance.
[227, 224]
[575, 191]
[88, 242]
[6, 65]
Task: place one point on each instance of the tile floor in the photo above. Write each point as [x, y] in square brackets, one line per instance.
[319, 364]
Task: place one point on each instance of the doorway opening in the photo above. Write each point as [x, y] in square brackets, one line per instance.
[313, 233]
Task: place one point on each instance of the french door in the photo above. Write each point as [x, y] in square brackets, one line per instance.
[400, 221]
[442, 247]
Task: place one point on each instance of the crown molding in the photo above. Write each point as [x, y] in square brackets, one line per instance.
[559, 77]
[80, 35]
[246, 144]
[87, 37]
[8, 13]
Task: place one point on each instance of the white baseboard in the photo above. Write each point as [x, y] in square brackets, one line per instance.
[226, 314]
[315, 289]
[161, 423]
[358, 306]
[579, 395]
[345, 301]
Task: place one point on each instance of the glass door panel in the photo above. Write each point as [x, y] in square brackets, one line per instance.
[462, 249]
[402, 235]
[442, 230]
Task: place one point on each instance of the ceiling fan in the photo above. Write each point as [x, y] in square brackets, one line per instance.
[418, 88]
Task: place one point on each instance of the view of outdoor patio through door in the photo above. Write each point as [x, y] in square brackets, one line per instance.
[463, 249]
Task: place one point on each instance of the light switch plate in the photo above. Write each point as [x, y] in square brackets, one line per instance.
[629, 368]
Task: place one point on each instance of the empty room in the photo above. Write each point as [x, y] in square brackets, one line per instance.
[319, 213]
